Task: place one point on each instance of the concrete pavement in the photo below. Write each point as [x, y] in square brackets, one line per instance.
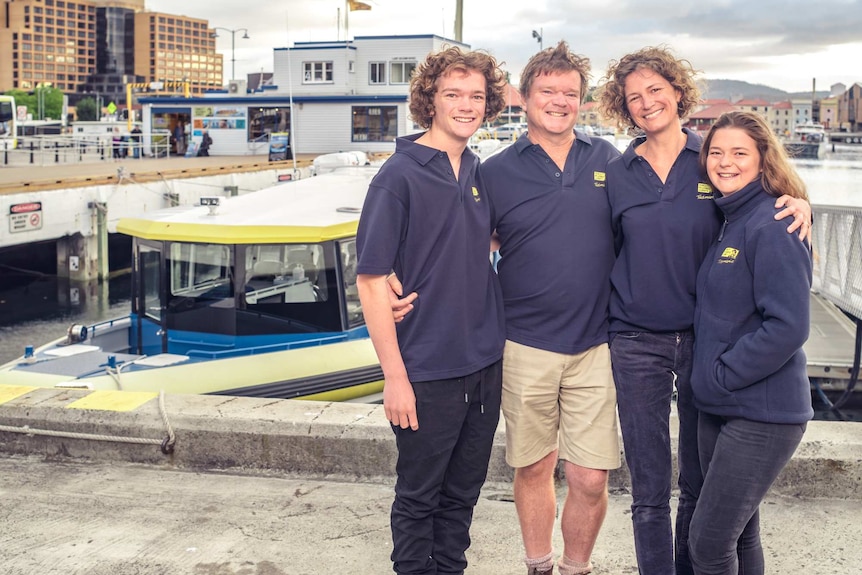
[270, 487]
[64, 517]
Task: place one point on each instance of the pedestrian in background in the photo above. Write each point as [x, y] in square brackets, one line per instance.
[206, 142]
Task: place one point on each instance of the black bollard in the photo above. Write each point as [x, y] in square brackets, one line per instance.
[56, 152]
[31, 153]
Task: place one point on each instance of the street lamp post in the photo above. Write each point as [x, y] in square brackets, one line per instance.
[233, 32]
[538, 37]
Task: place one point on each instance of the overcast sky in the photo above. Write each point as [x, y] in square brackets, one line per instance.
[783, 44]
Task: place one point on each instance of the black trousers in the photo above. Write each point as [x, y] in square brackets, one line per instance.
[441, 468]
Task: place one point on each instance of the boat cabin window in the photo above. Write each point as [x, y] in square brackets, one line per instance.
[200, 271]
[347, 249]
[286, 273]
[253, 289]
[150, 283]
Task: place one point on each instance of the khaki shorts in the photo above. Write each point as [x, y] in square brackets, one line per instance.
[555, 400]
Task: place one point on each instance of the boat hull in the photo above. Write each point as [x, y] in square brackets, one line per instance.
[342, 371]
[806, 150]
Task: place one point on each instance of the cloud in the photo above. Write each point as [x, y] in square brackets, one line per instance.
[725, 38]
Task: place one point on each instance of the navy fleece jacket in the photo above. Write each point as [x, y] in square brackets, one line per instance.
[752, 316]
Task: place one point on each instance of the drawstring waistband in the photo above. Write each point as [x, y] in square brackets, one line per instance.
[481, 394]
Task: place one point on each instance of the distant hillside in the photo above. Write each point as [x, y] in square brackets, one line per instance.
[737, 89]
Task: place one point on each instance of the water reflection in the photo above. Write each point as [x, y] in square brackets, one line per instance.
[39, 309]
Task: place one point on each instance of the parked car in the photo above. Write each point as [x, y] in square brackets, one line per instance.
[508, 131]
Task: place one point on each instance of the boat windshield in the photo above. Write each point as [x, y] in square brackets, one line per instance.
[259, 289]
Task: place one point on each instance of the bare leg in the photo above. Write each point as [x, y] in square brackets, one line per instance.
[536, 503]
[584, 510]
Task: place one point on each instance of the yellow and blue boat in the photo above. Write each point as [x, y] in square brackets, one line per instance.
[253, 295]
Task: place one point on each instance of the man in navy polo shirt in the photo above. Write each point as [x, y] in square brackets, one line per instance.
[427, 218]
[552, 218]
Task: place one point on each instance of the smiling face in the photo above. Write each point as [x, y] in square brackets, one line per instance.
[652, 101]
[732, 161]
[552, 105]
[459, 105]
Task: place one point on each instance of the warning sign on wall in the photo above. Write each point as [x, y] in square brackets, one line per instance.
[25, 217]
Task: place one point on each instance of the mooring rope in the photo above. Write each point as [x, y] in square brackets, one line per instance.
[167, 444]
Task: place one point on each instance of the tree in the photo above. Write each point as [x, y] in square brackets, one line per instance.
[50, 98]
[22, 98]
[86, 110]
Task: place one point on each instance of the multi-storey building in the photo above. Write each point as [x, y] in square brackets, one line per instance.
[850, 109]
[781, 118]
[98, 46]
[47, 41]
[176, 49]
[829, 112]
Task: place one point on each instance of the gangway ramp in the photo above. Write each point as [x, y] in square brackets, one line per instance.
[830, 344]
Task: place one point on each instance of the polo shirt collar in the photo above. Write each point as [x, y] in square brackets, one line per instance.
[523, 142]
[692, 143]
[423, 154]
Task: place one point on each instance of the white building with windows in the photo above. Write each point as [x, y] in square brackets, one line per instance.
[330, 97]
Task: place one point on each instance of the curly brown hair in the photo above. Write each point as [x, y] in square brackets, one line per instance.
[423, 83]
[779, 177]
[556, 60]
[661, 60]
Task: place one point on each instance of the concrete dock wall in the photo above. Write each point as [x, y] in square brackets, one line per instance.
[328, 440]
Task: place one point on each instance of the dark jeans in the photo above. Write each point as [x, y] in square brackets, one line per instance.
[646, 366]
[441, 468]
[740, 459]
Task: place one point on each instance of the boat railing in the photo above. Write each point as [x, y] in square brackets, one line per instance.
[260, 349]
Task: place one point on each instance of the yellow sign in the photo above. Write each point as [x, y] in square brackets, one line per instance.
[112, 107]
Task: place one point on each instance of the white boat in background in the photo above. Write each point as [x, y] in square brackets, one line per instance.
[808, 142]
[253, 295]
[326, 163]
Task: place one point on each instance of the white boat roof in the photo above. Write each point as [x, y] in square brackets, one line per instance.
[309, 210]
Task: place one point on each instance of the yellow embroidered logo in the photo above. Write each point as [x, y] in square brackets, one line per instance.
[728, 256]
[599, 179]
[476, 194]
[704, 191]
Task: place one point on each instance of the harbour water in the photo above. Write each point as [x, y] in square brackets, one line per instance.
[37, 308]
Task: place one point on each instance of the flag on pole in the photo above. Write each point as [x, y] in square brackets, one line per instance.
[354, 5]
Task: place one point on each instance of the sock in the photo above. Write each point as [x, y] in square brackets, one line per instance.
[570, 567]
[545, 563]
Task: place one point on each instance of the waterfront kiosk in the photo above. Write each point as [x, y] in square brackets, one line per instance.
[330, 96]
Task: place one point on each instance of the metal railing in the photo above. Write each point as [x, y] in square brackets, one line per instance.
[838, 271]
[44, 150]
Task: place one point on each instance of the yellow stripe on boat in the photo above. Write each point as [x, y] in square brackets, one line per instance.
[10, 392]
[310, 210]
[107, 400]
[218, 233]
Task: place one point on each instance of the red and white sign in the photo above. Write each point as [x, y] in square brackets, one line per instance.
[25, 217]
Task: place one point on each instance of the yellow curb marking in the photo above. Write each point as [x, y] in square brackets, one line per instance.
[10, 392]
[106, 400]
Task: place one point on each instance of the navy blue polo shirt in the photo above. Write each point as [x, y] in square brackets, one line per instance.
[663, 231]
[557, 248]
[433, 230]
